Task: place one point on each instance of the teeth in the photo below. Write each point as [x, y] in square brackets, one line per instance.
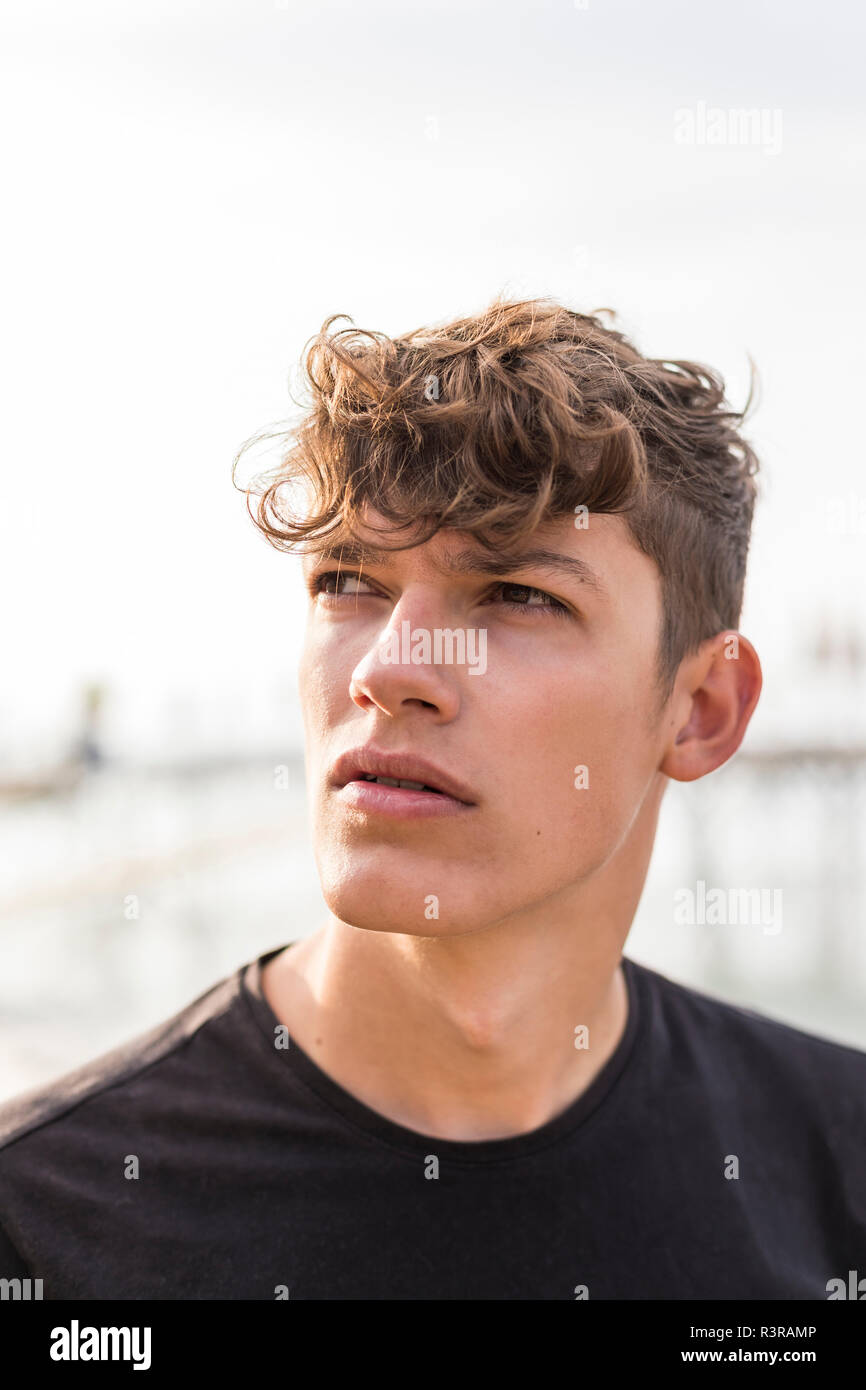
[395, 782]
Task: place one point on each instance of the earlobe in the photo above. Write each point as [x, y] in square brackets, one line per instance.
[729, 679]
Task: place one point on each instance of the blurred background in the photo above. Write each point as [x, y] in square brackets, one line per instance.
[189, 191]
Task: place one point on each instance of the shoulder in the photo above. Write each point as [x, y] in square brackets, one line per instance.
[164, 1056]
[740, 1046]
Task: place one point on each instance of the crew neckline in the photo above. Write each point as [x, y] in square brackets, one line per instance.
[357, 1114]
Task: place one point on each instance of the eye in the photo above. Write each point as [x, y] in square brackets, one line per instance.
[337, 584]
[333, 584]
[525, 593]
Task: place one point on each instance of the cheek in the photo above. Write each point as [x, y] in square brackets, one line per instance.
[308, 690]
[578, 758]
[323, 681]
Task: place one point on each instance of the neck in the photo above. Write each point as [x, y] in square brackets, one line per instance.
[474, 1036]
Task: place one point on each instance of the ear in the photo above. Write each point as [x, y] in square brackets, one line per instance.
[714, 696]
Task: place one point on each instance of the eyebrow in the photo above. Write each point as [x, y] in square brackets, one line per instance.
[469, 562]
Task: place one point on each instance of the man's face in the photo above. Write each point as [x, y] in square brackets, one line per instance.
[549, 724]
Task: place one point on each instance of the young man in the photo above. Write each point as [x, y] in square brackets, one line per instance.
[525, 548]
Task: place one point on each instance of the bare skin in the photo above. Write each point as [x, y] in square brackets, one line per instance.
[462, 1026]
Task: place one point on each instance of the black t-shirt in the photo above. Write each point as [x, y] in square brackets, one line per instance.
[718, 1154]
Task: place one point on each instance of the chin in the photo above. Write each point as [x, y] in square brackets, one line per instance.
[403, 900]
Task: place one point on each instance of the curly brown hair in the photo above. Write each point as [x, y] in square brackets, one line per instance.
[493, 423]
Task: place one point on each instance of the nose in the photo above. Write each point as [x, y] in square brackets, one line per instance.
[398, 673]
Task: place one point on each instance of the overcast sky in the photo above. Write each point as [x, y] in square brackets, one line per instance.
[190, 189]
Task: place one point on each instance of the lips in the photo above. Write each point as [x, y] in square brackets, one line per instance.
[362, 764]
